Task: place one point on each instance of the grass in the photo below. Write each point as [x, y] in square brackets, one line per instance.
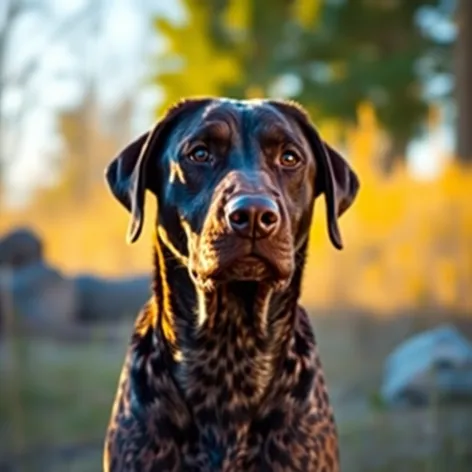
[65, 393]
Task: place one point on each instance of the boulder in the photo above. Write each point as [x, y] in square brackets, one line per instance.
[36, 293]
[110, 299]
[435, 364]
[20, 247]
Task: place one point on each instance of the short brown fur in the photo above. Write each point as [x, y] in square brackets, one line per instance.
[222, 372]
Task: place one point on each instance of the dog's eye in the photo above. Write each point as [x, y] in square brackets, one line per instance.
[200, 154]
[289, 159]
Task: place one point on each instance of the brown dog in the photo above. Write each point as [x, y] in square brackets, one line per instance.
[222, 372]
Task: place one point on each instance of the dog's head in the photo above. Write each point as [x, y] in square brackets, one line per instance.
[235, 182]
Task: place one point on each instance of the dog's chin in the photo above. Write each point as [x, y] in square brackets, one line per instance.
[248, 268]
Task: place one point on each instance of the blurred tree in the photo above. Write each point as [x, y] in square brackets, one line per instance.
[331, 56]
[237, 48]
[193, 64]
[463, 74]
[264, 39]
[88, 144]
[76, 128]
[374, 50]
[12, 11]
[18, 79]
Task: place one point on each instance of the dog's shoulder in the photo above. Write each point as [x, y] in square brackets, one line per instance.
[147, 405]
[126, 425]
[317, 422]
[306, 350]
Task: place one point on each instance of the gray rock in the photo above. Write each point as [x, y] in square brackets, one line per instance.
[103, 299]
[434, 364]
[20, 247]
[37, 293]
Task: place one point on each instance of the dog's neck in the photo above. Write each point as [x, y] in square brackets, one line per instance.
[226, 343]
[186, 312]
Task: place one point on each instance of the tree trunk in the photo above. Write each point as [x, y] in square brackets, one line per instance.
[463, 91]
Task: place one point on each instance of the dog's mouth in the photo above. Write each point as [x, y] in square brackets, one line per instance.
[239, 265]
[251, 267]
[251, 248]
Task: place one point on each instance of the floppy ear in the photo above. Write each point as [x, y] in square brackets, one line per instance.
[338, 182]
[126, 180]
[335, 178]
[128, 176]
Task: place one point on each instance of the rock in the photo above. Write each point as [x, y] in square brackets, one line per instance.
[102, 299]
[434, 364]
[20, 247]
[37, 293]
[34, 292]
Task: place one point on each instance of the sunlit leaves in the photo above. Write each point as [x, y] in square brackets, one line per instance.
[192, 64]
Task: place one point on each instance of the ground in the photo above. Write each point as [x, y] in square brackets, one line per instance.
[54, 410]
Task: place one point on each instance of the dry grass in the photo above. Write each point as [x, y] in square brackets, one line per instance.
[65, 393]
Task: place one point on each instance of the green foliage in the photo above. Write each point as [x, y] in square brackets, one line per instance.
[338, 55]
[238, 48]
[374, 51]
[193, 63]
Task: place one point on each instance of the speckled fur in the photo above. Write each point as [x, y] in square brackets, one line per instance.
[253, 399]
[224, 378]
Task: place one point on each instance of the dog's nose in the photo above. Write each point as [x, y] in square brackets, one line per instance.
[253, 216]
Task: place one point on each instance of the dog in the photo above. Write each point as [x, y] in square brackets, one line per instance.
[222, 372]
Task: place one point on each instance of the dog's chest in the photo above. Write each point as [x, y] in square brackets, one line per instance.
[233, 450]
[222, 394]
[214, 418]
[212, 454]
[219, 388]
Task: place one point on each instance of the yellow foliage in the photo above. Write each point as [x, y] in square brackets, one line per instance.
[254, 92]
[202, 67]
[237, 14]
[307, 11]
[407, 242]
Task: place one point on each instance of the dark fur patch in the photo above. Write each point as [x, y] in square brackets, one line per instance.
[222, 373]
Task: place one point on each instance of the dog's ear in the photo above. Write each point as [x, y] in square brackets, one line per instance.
[338, 182]
[126, 180]
[335, 177]
[128, 175]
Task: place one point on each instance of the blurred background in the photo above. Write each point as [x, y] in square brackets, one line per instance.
[388, 82]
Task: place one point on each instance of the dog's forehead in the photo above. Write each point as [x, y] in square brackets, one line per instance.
[244, 109]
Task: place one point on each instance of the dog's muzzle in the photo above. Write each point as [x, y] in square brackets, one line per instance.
[246, 236]
[252, 216]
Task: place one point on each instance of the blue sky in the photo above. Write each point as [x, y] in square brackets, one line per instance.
[119, 57]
